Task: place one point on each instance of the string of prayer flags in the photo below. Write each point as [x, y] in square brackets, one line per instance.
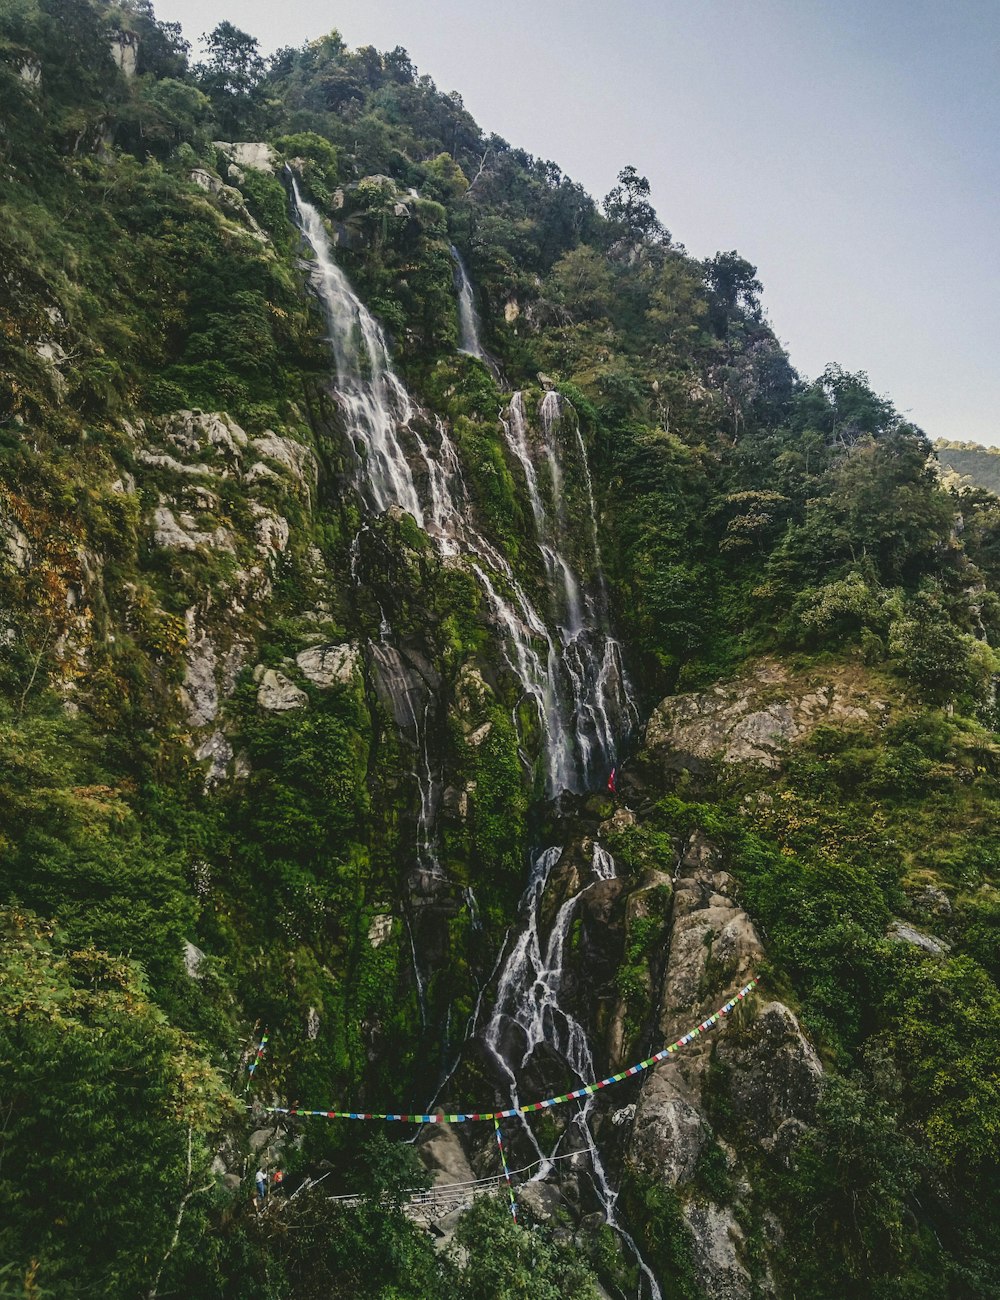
[506, 1171]
[586, 1091]
[256, 1058]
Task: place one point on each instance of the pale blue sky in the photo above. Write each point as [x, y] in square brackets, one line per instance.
[850, 149]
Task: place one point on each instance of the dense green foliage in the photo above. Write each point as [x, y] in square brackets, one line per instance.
[854, 832]
[155, 922]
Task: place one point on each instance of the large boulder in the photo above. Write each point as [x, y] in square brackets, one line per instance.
[756, 718]
[716, 1239]
[276, 693]
[329, 665]
[771, 1074]
[255, 154]
[773, 1077]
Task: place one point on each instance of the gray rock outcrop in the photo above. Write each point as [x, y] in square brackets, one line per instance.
[256, 154]
[276, 693]
[901, 932]
[754, 719]
[771, 1073]
[329, 665]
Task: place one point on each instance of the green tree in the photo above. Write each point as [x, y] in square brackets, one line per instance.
[231, 75]
[109, 1119]
[733, 288]
[505, 1261]
[629, 210]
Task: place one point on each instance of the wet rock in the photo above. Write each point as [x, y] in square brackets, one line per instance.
[276, 693]
[650, 899]
[329, 665]
[404, 682]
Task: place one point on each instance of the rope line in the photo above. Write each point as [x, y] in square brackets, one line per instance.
[495, 1115]
[443, 1190]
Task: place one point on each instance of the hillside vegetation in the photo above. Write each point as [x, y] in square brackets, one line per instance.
[207, 831]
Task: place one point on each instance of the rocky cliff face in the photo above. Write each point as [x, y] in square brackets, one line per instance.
[357, 484]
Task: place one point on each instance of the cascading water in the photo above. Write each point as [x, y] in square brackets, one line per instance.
[528, 1016]
[374, 404]
[468, 317]
[599, 702]
[581, 708]
[573, 673]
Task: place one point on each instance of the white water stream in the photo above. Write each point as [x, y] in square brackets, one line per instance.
[569, 665]
[572, 673]
[528, 1016]
[468, 317]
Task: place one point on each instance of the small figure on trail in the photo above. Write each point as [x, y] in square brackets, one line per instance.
[278, 1178]
[261, 1180]
[612, 782]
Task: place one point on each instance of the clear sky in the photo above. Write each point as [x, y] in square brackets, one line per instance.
[849, 148]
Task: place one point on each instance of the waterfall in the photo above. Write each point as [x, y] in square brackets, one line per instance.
[600, 705]
[568, 664]
[528, 999]
[468, 317]
[374, 404]
[572, 674]
[602, 863]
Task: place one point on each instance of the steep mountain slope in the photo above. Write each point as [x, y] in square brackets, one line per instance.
[975, 465]
[368, 497]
